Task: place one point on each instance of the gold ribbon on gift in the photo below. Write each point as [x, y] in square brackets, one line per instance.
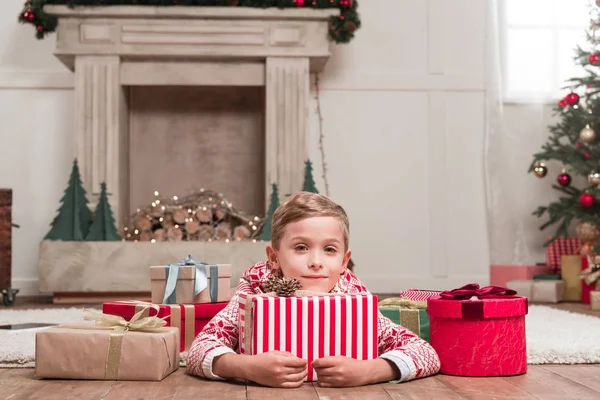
[592, 273]
[118, 325]
[189, 316]
[408, 309]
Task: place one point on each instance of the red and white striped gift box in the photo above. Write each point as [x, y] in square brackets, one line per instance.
[310, 327]
[418, 294]
[561, 247]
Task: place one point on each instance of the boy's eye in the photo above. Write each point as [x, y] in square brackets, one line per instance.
[301, 247]
[330, 249]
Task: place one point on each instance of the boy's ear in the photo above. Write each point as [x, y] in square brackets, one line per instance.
[346, 260]
[272, 257]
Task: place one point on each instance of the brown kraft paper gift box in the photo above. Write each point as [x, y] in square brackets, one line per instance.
[76, 353]
[184, 290]
[570, 268]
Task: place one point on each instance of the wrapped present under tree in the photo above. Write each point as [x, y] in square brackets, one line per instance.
[410, 314]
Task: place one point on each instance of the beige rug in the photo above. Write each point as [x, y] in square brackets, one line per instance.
[553, 336]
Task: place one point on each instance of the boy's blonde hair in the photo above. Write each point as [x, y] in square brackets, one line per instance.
[304, 205]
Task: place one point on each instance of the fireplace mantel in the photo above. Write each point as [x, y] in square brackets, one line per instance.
[115, 47]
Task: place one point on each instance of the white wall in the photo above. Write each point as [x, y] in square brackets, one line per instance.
[404, 125]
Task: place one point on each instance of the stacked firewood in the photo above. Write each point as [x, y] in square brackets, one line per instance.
[201, 216]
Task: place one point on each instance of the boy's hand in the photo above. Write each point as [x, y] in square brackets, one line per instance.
[277, 369]
[339, 371]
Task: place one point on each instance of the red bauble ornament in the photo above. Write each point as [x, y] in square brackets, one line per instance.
[587, 200]
[299, 3]
[29, 16]
[572, 99]
[345, 3]
[563, 103]
[564, 179]
[594, 58]
[40, 28]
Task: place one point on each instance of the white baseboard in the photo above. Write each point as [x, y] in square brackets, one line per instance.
[27, 286]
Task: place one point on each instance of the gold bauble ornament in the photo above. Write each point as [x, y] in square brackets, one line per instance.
[540, 170]
[594, 178]
[589, 234]
[587, 135]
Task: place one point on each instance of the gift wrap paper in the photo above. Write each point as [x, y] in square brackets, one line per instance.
[101, 353]
[570, 269]
[310, 327]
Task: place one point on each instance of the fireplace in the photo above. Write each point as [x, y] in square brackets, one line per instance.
[158, 84]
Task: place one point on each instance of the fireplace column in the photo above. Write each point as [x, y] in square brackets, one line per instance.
[287, 91]
[101, 121]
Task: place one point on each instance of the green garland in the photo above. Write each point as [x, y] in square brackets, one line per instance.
[341, 28]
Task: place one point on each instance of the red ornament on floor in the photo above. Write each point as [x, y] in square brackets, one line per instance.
[586, 200]
[572, 98]
[594, 58]
[564, 179]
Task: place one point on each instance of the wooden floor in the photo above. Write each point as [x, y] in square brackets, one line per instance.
[540, 382]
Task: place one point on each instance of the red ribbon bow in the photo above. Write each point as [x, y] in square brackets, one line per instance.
[473, 289]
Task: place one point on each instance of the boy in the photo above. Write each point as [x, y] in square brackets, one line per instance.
[309, 242]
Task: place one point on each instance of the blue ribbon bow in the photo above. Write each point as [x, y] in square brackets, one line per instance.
[200, 279]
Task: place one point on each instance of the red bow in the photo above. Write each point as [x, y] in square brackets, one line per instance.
[473, 289]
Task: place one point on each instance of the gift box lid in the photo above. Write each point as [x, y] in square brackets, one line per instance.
[188, 271]
[513, 306]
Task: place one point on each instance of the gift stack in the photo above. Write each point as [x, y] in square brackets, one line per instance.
[409, 310]
[479, 331]
[309, 325]
[555, 281]
[135, 340]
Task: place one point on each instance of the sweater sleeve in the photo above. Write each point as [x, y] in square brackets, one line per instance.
[413, 356]
[218, 337]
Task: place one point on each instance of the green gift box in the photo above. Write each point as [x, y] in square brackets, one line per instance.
[410, 314]
[547, 277]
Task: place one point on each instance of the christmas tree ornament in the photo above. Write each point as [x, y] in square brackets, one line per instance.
[587, 135]
[594, 178]
[540, 170]
[586, 200]
[588, 233]
[299, 3]
[572, 99]
[563, 102]
[345, 3]
[28, 15]
[564, 179]
[594, 58]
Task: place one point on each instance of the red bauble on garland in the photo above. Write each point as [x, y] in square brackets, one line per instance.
[345, 3]
[564, 179]
[594, 58]
[572, 99]
[299, 3]
[586, 200]
[28, 15]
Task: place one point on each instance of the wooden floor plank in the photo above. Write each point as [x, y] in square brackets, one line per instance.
[427, 388]
[477, 388]
[584, 374]
[305, 392]
[371, 392]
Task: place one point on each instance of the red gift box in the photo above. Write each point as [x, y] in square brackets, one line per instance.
[418, 294]
[561, 247]
[479, 336]
[189, 318]
[586, 289]
[310, 327]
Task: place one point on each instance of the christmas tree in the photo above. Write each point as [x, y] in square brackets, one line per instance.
[309, 182]
[274, 203]
[74, 217]
[573, 142]
[103, 228]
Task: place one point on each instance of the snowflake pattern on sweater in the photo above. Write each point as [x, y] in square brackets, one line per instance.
[220, 335]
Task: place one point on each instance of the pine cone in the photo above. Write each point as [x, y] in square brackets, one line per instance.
[283, 287]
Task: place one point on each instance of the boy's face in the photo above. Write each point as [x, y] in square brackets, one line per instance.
[312, 251]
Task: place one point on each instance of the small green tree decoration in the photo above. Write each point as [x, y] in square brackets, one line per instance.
[74, 217]
[273, 204]
[309, 181]
[103, 228]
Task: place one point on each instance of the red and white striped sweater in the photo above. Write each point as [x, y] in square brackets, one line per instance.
[414, 357]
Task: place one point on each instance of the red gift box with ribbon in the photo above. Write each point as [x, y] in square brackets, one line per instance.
[189, 318]
[479, 331]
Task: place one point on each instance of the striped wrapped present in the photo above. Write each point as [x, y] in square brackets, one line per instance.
[309, 327]
[418, 294]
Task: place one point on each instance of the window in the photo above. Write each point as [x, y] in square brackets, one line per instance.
[538, 39]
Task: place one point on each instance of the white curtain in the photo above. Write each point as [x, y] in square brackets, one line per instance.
[513, 133]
